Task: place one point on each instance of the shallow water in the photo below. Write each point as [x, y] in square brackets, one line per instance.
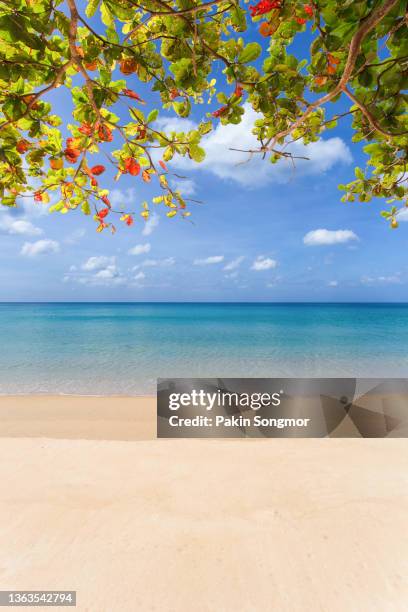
[108, 349]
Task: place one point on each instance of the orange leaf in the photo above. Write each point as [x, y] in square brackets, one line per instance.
[332, 59]
[320, 80]
[265, 29]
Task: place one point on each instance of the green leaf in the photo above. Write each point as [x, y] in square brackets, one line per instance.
[91, 8]
[205, 127]
[9, 201]
[56, 207]
[182, 108]
[249, 53]
[14, 108]
[366, 78]
[168, 154]
[238, 19]
[152, 116]
[106, 16]
[15, 28]
[183, 71]
[197, 153]
[86, 209]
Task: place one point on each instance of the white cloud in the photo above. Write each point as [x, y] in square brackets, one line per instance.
[140, 276]
[263, 263]
[151, 224]
[213, 259]
[31, 208]
[15, 225]
[232, 275]
[333, 283]
[187, 187]
[75, 236]
[98, 262]
[139, 249]
[234, 264]
[41, 247]
[109, 277]
[108, 273]
[323, 237]
[120, 198]
[403, 215]
[156, 263]
[253, 171]
[175, 124]
[99, 271]
[392, 279]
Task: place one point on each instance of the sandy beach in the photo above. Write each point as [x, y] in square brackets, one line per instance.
[90, 501]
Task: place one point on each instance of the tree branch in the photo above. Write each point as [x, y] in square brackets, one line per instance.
[35, 96]
[368, 24]
[370, 117]
[72, 36]
[173, 13]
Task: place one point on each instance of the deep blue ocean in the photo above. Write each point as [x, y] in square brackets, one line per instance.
[109, 349]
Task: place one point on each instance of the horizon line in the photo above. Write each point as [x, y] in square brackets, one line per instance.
[230, 302]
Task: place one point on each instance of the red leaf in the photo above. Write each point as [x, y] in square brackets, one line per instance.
[72, 155]
[132, 94]
[217, 113]
[102, 213]
[104, 133]
[132, 166]
[264, 6]
[22, 145]
[239, 90]
[86, 129]
[97, 170]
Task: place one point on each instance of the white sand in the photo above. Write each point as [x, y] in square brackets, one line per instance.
[198, 525]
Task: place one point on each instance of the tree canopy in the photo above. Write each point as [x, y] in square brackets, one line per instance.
[108, 52]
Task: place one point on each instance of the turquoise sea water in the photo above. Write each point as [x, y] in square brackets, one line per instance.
[110, 349]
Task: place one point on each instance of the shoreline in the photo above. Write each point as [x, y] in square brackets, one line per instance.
[79, 395]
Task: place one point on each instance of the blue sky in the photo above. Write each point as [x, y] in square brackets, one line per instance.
[263, 233]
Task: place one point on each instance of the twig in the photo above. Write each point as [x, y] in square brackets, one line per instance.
[370, 117]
